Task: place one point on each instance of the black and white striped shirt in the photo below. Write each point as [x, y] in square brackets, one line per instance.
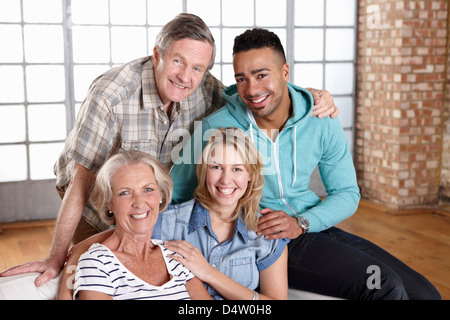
[100, 270]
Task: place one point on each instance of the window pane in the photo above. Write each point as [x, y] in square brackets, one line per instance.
[209, 10]
[216, 71]
[91, 44]
[77, 108]
[161, 12]
[46, 122]
[308, 45]
[44, 43]
[128, 43]
[228, 43]
[10, 11]
[13, 163]
[42, 11]
[309, 13]
[350, 139]
[271, 13]
[12, 35]
[45, 83]
[339, 78]
[232, 16]
[128, 12]
[89, 12]
[152, 33]
[11, 82]
[12, 123]
[309, 75]
[83, 77]
[42, 160]
[340, 44]
[217, 39]
[341, 13]
[346, 110]
[228, 75]
[281, 33]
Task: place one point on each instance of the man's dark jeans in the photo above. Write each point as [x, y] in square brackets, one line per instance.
[339, 264]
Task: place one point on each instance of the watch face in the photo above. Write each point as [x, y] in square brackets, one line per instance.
[306, 222]
[303, 223]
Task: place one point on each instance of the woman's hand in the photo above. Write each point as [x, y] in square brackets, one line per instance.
[273, 279]
[190, 257]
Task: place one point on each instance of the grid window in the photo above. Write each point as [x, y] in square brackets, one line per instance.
[324, 52]
[12, 124]
[13, 166]
[56, 48]
[33, 96]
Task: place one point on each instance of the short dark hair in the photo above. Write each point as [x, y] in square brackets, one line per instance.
[258, 38]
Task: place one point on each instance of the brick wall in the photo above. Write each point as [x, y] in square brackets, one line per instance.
[400, 100]
[445, 174]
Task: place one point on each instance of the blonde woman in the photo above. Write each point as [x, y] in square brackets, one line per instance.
[220, 244]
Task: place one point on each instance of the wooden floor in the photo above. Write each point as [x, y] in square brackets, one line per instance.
[419, 238]
[22, 242]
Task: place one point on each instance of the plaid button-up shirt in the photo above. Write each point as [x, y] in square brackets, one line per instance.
[123, 111]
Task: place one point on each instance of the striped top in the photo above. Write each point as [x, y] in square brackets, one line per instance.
[100, 270]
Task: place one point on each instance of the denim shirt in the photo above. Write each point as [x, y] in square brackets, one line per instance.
[241, 258]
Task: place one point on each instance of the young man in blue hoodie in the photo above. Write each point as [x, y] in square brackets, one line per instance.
[277, 116]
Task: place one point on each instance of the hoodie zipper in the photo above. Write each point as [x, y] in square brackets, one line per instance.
[277, 166]
[275, 157]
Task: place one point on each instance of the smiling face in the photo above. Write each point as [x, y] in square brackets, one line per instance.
[179, 72]
[135, 199]
[226, 177]
[261, 77]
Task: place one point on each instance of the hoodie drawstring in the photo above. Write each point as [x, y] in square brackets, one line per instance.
[295, 156]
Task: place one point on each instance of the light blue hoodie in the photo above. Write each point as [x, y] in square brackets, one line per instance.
[304, 143]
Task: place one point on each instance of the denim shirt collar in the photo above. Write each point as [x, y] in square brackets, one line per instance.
[200, 218]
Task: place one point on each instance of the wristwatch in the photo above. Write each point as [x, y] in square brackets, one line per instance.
[303, 223]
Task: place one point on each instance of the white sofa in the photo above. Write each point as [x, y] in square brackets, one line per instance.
[21, 287]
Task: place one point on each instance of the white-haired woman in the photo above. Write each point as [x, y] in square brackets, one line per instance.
[130, 191]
